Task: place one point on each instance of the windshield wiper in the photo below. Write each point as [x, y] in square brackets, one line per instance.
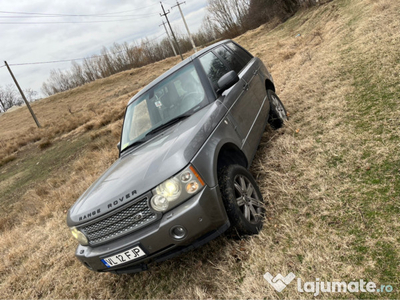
[157, 129]
[167, 124]
[141, 141]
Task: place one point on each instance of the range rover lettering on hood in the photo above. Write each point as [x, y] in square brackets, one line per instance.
[120, 200]
[110, 205]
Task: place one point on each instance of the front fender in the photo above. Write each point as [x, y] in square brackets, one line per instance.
[206, 159]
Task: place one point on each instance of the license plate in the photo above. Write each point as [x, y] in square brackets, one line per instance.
[123, 257]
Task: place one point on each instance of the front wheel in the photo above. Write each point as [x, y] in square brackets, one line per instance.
[277, 113]
[242, 199]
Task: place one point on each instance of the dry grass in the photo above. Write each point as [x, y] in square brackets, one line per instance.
[330, 177]
[98, 103]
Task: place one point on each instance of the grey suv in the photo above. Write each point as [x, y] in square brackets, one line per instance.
[181, 178]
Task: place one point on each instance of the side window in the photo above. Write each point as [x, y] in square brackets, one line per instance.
[232, 60]
[213, 67]
[244, 55]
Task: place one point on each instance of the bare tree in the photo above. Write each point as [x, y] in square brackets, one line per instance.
[9, 97]
[78, 76]
[89, 70]
[229, 15]
[225, 19]
[30, 95]
[119, 57]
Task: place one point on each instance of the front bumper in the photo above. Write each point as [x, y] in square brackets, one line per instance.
[203, 216]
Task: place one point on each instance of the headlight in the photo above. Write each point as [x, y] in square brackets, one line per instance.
[176, 189]
[159, 203]
[170, 189]
[82, 239]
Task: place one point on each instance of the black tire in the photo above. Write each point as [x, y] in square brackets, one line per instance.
[242, 199]
[277, 113]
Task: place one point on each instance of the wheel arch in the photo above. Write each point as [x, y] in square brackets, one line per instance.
[217, 154]
[269, 85]
[230, 154]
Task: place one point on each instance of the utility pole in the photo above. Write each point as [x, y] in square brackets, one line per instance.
[169, 38]
[23, 96]
[184, 21]
[165, 15]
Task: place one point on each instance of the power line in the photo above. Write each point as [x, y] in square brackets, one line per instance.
[73, 15]
[52, 15]
[59, 61]
[2, 66]
[74, 22]
[153, 39]
[168, 3]
[184, 21]
[72, 59]
[97, 16]
[169, 38]
[165, 14]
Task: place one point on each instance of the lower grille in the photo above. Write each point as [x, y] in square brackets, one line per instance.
[119, 223]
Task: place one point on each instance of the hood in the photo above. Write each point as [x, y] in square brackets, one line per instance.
[146, 166]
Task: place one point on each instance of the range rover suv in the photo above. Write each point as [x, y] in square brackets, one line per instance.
[182, 178]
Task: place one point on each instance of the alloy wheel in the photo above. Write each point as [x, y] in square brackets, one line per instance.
[247, 199]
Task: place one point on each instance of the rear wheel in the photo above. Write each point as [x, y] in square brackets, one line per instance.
[277, 114]
[242, 198]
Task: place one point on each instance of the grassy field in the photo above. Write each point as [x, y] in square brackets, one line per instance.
[330, 177]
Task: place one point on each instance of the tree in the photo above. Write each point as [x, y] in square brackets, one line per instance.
[225, 19]
[78, 76]
[230, 15]
[30, 95]
[10, 97]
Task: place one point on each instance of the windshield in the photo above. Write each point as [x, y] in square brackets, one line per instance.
[178, 94]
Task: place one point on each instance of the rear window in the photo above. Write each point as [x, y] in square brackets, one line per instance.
[239, 51]
[235, 64]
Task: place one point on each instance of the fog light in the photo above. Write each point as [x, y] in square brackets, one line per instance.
[178, 232]
[82, 239]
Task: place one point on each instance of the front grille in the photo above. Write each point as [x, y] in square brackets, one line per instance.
[119, 223]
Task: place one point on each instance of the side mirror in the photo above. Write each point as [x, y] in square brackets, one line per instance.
[227, 81]
[119, 146]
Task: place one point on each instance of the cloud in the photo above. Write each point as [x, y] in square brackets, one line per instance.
[22, 43]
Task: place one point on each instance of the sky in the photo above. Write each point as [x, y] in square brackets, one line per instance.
[44, 30]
